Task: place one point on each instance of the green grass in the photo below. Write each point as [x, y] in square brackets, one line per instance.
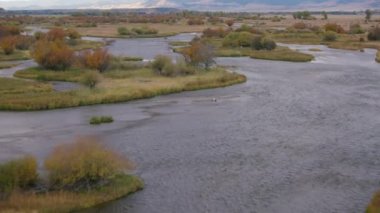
[279, 54]
[178, 43]
[15, 56]
[6, 65]
[67, 201]
[138, 84]
[84, 45]
[282, 54]
[14, 87]
[96, 120]
[38, 73]
[374, 206]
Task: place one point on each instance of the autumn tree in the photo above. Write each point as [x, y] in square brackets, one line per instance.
[8, 44]
[56, 34]
[98, 59]
[54, 55]
[200, 53]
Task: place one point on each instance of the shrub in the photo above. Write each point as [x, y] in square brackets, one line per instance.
[261, 43]
[200, 53]
[21, 173]
[8, 44]
[374, 206]
[9, 31]
[330, 36]
[56, 34]
[215, 33]
[160, 62]
[268, 44]
[356, 29]
[24, 42]
[374, 34]
[123, 31]
[238, 39]
[334, 28]
[230, 22]
[245, 39]
[100, 120]
[98, 59]
[144, 31]
[73, 34]
[84, 164]
[91, 79]
[195, 21]
[39, 35]
[54, 55]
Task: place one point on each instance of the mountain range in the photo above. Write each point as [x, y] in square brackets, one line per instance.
[211, 5]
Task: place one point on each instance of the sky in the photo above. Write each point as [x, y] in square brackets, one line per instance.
[218, 5]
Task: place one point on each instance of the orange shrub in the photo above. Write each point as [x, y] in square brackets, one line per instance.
[9, 30]
[56, 34]
[334, 28]
[299, 26]
[54, 55]
[73, 34]
[200, 53]
[98, 59]
[8, 44]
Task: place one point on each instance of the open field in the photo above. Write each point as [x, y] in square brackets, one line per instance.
[65, 201]
[110, 30]
[16, 56]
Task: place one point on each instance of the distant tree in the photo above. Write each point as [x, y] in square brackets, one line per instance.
[230, 22]
[368, 15]
[325, 16]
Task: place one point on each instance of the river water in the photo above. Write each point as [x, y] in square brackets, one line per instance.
[296, 137]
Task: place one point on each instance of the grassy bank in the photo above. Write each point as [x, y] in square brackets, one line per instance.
[37, 73]
[282, 54]
[378, 56]
[15, 56]
[6, 65]
[64, 201]
[116, 86]
[16, 87]
[374, 206]
[344, 41]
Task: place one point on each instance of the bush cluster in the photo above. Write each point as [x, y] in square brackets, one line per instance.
[17, 174]
[163, 65]
[137, 31]
[238, 39]
[195, 21]
[334, 28]
[262, 43]
[98, 59]
[215, 33]
[8, 44]
[374, 34]
[356, 29]
[330, 36]
[55, 55]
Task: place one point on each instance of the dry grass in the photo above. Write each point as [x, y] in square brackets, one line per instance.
[378, 56]
[6, 65]
[65, 201]
[14, 87]
[136, 86]
[282, 54]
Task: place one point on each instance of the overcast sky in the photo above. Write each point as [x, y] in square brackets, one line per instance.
[238, 5]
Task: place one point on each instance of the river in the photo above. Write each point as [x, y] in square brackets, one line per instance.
[296, 137]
